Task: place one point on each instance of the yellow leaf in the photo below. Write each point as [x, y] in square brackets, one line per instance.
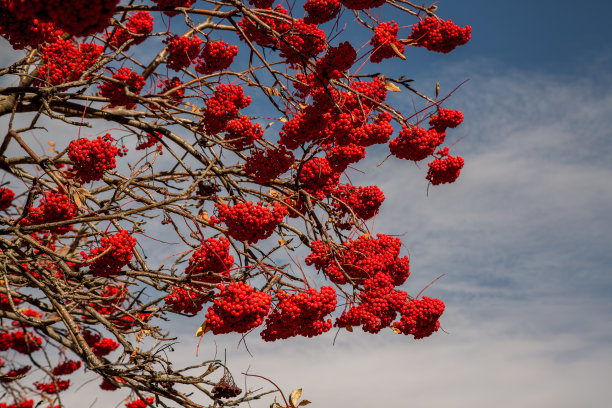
[432, 8]
[396, 330]
[202, 330]
[407, 41]
[281, 242]
[397, 51]
[437, 89]
[203, 215]
[284, 120]
[295, 396]
[50, 143]
[392, 87]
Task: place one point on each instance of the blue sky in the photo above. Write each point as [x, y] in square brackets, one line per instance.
[524, 237]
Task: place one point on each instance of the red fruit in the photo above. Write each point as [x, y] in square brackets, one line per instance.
[439, 35]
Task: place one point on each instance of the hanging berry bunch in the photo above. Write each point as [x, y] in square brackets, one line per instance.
[112, 255]
[92, 157]
[439, 35]
[250, 222]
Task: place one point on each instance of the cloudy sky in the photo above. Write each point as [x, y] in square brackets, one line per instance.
[523, 238]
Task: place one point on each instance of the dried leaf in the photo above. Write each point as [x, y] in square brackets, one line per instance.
[281, 242]
[437, 89]
[407, 41]
[50, 143]
[295, 396]
[203, 215]
[202, 330]
[303, 105]
[396, 330]
[392, 87]
[77, 199]
[284, 120]
[397, 51]
[349, 329]
[304, 402]
[432, 8]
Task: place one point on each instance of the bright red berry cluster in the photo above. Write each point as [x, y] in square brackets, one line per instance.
[268, 164]
[151, 140]
[340, 157]
[66, 368]
[13, 374]
[361, 259]
[137, 28]
[114, 253]
[215, 56]
[100, 346]
[21, 341]
[384, 41]
[63, 61]
[300, 314]
[363, 201]
[53, 387]
[317, 177]
[170, 4]
[414, 143]
[420, 317]
[445, 169]
[439, 35]
[210, 259]
[116, 92]
[241, 133]
[362, 4]
[446, 118]
[53, 207]
[173, 98]
[301, 42]
[321, 11]
[237, 308]
[250, 222]
[336, 61]
[92, 158]
[24, 30]
[140, 403]
[182, 51]
[186, 300]
[223, 106]
[21, 404]
[6, 197]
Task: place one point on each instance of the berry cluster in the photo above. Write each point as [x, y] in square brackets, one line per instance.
[6, 198]
[173, 98]
[92, 157]
[170, 4]
[54, 207]
[13, 374]
[5, 303]
[341, 156]
[446, 118]
[262, 4]
[116, 92]
[362, 4]
[107, 385]
[137, 28]
[140, 403]
[63, 61]
[363, 201]
[361, 259]
[113, 254]
[185, 300]
[336, 61]
[53, 387]
[321, 11]
[224, 390]
[301, 42]
[210, 259]
[182, 51]
[268, 164]
[250, 222]
[241, 133]
[21, 341]
[378, 305]
[317, 177]
[215, 56]
[420, 317]
[414, 143]
[254, 33]
[439, 35]
[385, 42]
[237, 308]
[99, 346]
[445, 169]
[223, 106]
[152, 139]
[66, 368]
[300, 314]
[21, 404]
[24, 30]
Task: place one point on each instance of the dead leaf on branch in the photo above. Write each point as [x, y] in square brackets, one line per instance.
[202, 330]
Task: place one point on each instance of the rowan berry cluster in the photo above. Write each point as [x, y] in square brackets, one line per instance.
[99, 346]
[445, 169]
[420, 317]
[321, 11]
[54, 207]
[317, 177]
[173, 98]
[385, 42]
[137, 28]
[21, 341]
[439, 35]
[116, 92]
[361, 259]
[151, 140]
[210, 259]
[66, 368]
[241, 133]
[186, 300]
[170, 4]
[340, 157]
[13, 374]
[21, 404]
[5, 302]
[53, 387]
[262, 4]
[257, 35]
[63, 61]
[92, 158]
[363, 201]
[336, 61]
[6, 197]
[23, 30]
[237, 308]
[113, 297]
[362, 4]
[268, 164]
[301, 42]
[215, 56]
[250, 222]
[446, 118]
[107, 385]
[140, 403]
[223, 106]
[182, 51]
[300, 314]
[114, 253]
[414, 143]
[224, 390]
